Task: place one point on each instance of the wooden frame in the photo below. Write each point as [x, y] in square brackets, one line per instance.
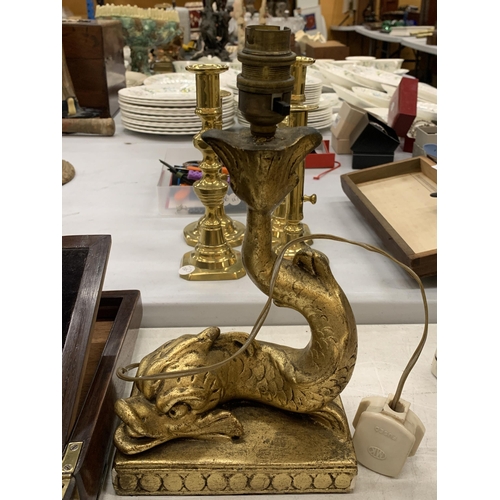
[114, 336]
[91, 257]
[395, 200]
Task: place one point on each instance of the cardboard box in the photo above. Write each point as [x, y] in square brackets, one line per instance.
[345, 122]
[395, 200]
[373, 142]
[424, 135]
[327, 50]
[403, 106]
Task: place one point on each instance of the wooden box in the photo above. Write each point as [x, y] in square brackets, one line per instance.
[327, 50]
[395, 200]
[94, 55]
[99, 334]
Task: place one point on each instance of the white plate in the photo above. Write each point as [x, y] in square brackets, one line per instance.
[181, 89]
[341, 76]
[380, 113]
[390, 89]
[427, 110]
[164, 103]
[312, 118]
[323, 124]
[170, 79]
[378, 98]
[155, 121]
[350, 97]
[374, 78]
[317, 73]
[427, 92]
[173, 112]
[170, 130]
[327, 100]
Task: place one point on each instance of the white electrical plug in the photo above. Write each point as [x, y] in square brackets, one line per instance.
[385, 438]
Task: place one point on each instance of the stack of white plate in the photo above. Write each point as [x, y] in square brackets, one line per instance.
[313, 89]
[166, 106]
[319, 118]
[322, 116]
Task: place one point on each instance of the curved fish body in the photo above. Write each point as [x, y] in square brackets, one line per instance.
[304, 380]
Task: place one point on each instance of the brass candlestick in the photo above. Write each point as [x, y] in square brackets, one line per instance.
[212, 258]
[278, 408]
[233, 230]
[287, 219]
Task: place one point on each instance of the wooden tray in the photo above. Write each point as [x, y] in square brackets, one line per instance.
[84, 261]
[113, 339]
[395, 200]
[99, 334]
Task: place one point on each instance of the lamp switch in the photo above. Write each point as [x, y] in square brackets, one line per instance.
[384, 438]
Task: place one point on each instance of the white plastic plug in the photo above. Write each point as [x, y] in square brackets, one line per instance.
[385, 438]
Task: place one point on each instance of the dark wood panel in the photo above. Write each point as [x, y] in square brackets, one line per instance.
[117, 324]
[77, 342]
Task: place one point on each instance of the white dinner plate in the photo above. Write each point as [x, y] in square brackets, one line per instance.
[170, 130]
[390, 89]
[172, 112]
[378, 98]
[168, 121]
[350, 97]
[374, 78]
[380, 113]
[170, 79]
[427, 110]
[342, 77]
[164, 103]
[427, 92]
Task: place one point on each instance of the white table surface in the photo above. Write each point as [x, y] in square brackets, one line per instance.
[351, 27]
[384, 351]
[419, 44]
[377, 35]
[407, 41]
[114, 192]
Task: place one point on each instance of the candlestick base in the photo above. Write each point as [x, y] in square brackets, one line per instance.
[280, 452]
[233, 230]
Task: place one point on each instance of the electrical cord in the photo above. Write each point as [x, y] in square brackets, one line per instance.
[121, 372]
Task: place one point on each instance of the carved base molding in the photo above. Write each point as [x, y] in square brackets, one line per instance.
[280, 453]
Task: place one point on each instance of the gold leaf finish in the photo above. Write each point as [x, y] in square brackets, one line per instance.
[270, 419]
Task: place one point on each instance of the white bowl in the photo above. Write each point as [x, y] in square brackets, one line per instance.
[389, 64]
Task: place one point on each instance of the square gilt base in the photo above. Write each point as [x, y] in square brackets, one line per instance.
[279, 453]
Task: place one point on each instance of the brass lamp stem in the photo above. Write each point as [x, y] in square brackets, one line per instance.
[212, 258]
[287, 219]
